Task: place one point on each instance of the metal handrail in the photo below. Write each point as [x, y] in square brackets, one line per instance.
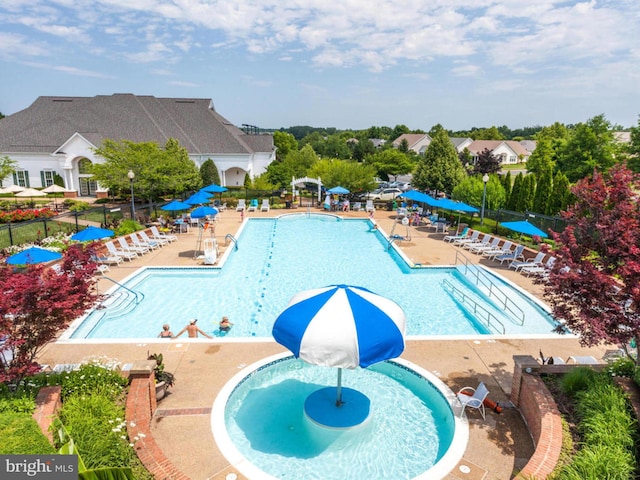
[493, 289]
[476, 307]
[139, 295]
[230, 237]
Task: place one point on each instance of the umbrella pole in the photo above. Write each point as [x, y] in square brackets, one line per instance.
[339, 401]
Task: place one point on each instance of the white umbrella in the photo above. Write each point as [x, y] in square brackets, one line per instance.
[31, 192]
[53, 188]
[11, 189]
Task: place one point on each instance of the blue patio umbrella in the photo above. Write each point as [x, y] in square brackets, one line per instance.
[92, 233]
[417, 196]
[213, 188]
[341, 326]
[525, 227]
[199, 198]
[202, 212]
[175, 205]
[452, 205]
[33, 255]
[338, 190]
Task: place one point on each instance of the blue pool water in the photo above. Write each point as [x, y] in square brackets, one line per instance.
[410, 429]
[277, 258]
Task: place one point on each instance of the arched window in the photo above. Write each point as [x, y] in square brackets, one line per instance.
[84, 166]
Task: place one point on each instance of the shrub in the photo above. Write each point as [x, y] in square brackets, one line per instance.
[621, 367]
[18, 404]
[576, 380]
[21, 435]
[128, 226]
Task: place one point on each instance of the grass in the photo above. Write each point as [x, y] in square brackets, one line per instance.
[21, 435]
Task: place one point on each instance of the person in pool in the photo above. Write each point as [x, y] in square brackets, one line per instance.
[166, 331]
[193, 330]
[225, 325]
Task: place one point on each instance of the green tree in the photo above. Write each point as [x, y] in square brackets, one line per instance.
[7, 167]
[633, 149]
[295, 164]
[284, 143]
[491, 133]
[543, 192]
[261, 182]
[591, 146]
[157, 171]
[356, 177]
[541, 160]
[512, 201]
[439, 168]
[397, 131]
[526, 194]
[362, 149]
[471, 189]
[209, 173]
[390, 162]
[561, 196]
[506, 184]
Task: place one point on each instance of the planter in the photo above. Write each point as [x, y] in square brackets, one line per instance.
[161, 390]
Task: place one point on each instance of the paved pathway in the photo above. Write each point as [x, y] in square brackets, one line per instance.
[497, 448]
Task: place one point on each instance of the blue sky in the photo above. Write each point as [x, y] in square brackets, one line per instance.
[344, 64]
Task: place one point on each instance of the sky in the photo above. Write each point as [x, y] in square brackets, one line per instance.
[344, 64]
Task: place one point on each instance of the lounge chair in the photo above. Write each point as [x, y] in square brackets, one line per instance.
[537, 261]
[222, 208]
[486, 238]
[157, 234]
[494, 252]
[369, 206]
[241, 207]
[493, 244]
[106, 259]
[475, 399]
[538, 269]
[146, 239]
[265, 205]
[131, 248]
[463, 234]
[582, 360]
[511, 256]
[469, 239]
[139, 243]
[357, 206]
[119, 252]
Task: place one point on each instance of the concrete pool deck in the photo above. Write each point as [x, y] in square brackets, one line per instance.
[498, 447]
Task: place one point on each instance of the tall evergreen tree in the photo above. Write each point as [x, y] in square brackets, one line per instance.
[526, 194]
[633, 149]
[440, 168]
[209, 173]
[543, 191]
[514, 197]
[506, 182]
[560, 196]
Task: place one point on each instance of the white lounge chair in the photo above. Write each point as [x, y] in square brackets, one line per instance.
[489, 246]
[119, 252]
[106, 259]
[127, 247]
[452, 238]
[494, 252]
[537, 261]
[484, 241]
[157, 234]
[241, 205]
[369, 206]
[357, 206]
[146, 239]
[139, 243]
[511, 256]
[265, 205]
[469, 239]
[538, 269]
[222, 207]
[474, 399]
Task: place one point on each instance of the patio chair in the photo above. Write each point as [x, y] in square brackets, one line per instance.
[538, 269]
[241, 205]
[369, 206]
[253, 205]
[131, 248]
[463, 234]
[157, 234]
[265, 205]
[511, 256]
[478, 249]
[357, 206]
[475, 399]
[139, 243]
[486, 238]
[469, 239]
[494, 252]
[146, 239]
[106, 259]
[119, 252]
[222, 207]
[536, 261]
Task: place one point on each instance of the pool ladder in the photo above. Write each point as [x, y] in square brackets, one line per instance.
[478, 311]
[230, 238]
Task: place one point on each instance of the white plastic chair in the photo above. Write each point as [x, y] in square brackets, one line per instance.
[475, 399]
[157, 235]
[265, 205]
[241, 205]
[119, 252]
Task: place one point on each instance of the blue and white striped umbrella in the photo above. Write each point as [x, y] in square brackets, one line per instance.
[341, 326]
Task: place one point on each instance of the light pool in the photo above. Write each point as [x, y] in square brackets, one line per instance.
[277, 258]
[412, 432]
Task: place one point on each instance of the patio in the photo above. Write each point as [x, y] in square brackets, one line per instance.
[497, 448]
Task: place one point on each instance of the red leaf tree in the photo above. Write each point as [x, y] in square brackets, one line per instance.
[594, 286]
[37, 303]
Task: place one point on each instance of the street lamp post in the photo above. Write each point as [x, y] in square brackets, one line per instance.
[485, 179]
[131, 176]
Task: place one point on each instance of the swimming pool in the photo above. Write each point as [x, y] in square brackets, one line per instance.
[277, 258]
[412, 431]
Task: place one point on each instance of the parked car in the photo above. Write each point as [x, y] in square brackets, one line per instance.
[384, 194]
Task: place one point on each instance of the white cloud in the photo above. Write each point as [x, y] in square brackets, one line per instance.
[16, 46]
[179, 83]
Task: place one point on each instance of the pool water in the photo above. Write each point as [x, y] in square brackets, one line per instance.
[277, 258]
[410, 429]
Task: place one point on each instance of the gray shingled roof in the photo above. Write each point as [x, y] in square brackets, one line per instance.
[50, 121]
